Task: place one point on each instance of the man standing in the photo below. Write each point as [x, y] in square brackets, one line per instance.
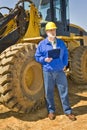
[53, 70]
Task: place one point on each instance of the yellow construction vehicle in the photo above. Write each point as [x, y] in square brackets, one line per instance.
[21, 81]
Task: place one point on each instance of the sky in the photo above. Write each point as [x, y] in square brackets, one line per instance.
[77, 8]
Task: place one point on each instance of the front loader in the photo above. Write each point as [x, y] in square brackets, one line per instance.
[21, 79]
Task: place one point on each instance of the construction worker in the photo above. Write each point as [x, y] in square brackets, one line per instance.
[53, 70]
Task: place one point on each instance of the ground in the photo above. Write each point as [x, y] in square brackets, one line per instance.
[39, 121]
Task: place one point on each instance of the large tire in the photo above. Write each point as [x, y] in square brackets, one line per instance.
[78, 65]
[21, 84]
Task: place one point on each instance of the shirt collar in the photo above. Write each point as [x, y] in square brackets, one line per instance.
[48, 42]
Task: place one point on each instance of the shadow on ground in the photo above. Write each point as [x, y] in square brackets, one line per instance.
[75, 98]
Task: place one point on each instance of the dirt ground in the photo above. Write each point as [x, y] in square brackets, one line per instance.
[39, 121]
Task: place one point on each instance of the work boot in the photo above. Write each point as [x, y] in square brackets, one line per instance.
[71, 117]
[51, 116]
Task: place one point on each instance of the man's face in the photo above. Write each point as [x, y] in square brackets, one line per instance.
[51, 33]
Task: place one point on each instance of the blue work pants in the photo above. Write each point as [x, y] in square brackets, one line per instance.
[50, 80]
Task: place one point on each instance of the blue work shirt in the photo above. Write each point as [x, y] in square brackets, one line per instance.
[56, 64]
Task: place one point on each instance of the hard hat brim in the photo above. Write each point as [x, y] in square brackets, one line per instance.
[51, 28]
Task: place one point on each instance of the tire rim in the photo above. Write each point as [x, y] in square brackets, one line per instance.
[31, 80]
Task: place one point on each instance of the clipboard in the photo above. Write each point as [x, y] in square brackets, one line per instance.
[54, 53]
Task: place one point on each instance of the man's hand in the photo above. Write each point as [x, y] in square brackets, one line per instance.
[48, 59]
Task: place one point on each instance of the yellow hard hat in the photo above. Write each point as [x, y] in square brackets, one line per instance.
[50, 25]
